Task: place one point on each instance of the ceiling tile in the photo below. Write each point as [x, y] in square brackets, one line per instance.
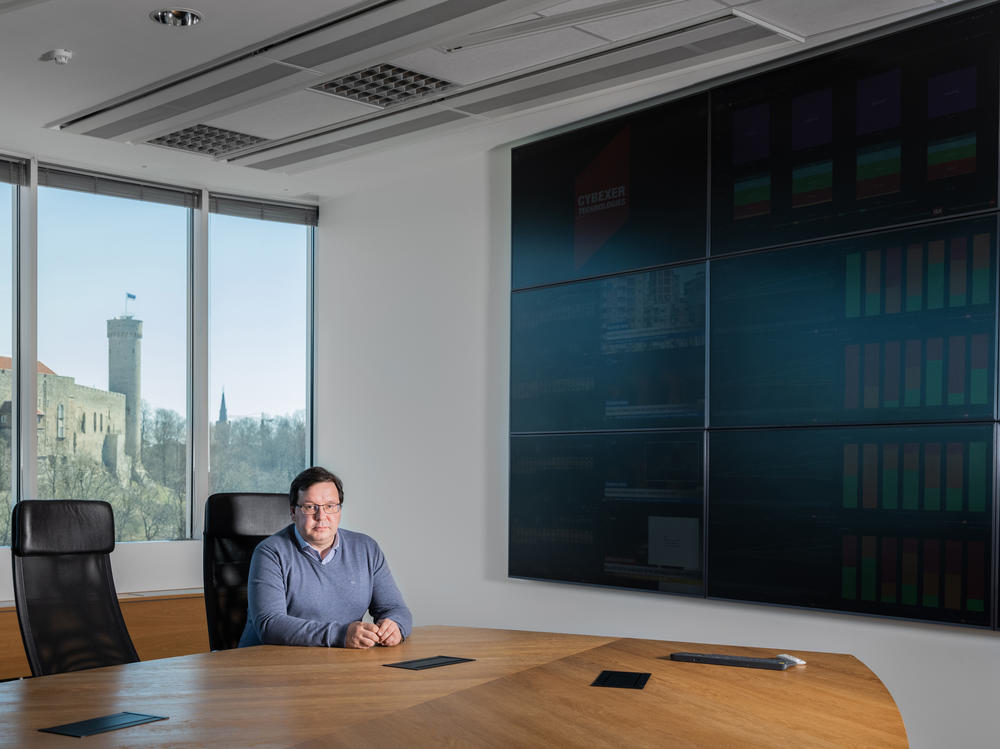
[474, 64]
[291, 114]
[808, 19]
[574, 5]
[646, 22]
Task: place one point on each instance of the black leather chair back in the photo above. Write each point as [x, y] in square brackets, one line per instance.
[234, 524]
[67, 605]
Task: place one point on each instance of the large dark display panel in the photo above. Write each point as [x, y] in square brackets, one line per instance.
[897, 326]
[892, 521]
[623, 195]
[608, 509]
[816, 330]
[616, 353]
[874, 135]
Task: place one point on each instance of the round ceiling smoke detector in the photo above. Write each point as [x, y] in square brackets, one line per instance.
[176, 16]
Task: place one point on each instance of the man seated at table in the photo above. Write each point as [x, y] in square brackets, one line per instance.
[311, 583]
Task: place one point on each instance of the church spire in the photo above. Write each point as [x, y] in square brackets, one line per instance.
[222, 409]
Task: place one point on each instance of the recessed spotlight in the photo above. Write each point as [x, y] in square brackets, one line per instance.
[176, 16]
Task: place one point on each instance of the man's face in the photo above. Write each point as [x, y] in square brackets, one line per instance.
[318, 530]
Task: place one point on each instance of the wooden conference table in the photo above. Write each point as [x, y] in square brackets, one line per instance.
[523, 689]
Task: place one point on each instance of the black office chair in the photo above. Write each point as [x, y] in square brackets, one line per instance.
[234, 525]
[67, 605]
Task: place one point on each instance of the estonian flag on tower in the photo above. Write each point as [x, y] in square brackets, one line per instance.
[129, 296]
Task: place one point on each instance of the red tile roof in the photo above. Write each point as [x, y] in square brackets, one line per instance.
[7, 363]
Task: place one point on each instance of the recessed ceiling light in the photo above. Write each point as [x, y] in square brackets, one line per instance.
[176, 16]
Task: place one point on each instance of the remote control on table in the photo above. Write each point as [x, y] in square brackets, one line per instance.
[777, 663]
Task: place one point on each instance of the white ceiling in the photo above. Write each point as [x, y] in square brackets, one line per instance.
[515, 68]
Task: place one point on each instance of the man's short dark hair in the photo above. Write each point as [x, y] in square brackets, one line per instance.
[311, 476]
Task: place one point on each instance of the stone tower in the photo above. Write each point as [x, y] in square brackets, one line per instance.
[124, 375]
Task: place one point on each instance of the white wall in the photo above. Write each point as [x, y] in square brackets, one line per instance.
[137, 567]
[412, 364]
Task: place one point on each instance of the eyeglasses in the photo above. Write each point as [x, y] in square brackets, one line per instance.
[311, 509]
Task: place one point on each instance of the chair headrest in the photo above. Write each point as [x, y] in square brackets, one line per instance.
[62, 526]
[230, 515]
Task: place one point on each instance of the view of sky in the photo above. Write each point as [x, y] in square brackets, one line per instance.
[93, 250]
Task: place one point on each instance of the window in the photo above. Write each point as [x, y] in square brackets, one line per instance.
[258, 273]
[7, 198]
[120, 346]
[118, 276]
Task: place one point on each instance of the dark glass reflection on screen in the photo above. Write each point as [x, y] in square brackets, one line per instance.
[894, 521]
[621, 510]
[617, 196]
[618, 353]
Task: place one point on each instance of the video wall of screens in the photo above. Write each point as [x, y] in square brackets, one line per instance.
[623, 195]
[886, 327]
[875, 135]
[785, 393]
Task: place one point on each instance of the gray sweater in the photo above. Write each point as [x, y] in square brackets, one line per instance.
[293, 599]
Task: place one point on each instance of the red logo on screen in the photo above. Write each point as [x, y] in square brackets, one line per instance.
[601, 194]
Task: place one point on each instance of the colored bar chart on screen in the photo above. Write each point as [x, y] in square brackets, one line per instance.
[851, 476]
[812, 184]
[956, 370]
[975, 578]
[932, 573]
[752, 196]
[893, 280]
[935, 371]
[977, 476]
[911, 476]
[935, 275]
[869, 473]
[908, 589]
[914, 277]
[953, 574]
[871, 375]
[932, 476]
[852, 285]
[890, 476]
[954, 473]
[981, 268]
[878, 170]
[890, 384]
[911, 375]
[951, 157]
[873, 283]
[957, 282]
[852, 375]
[849, 567]
[979, 381]
[869, 564]
[888, 571]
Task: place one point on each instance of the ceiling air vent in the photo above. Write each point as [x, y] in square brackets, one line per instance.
[208, 140]
[383, 85]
